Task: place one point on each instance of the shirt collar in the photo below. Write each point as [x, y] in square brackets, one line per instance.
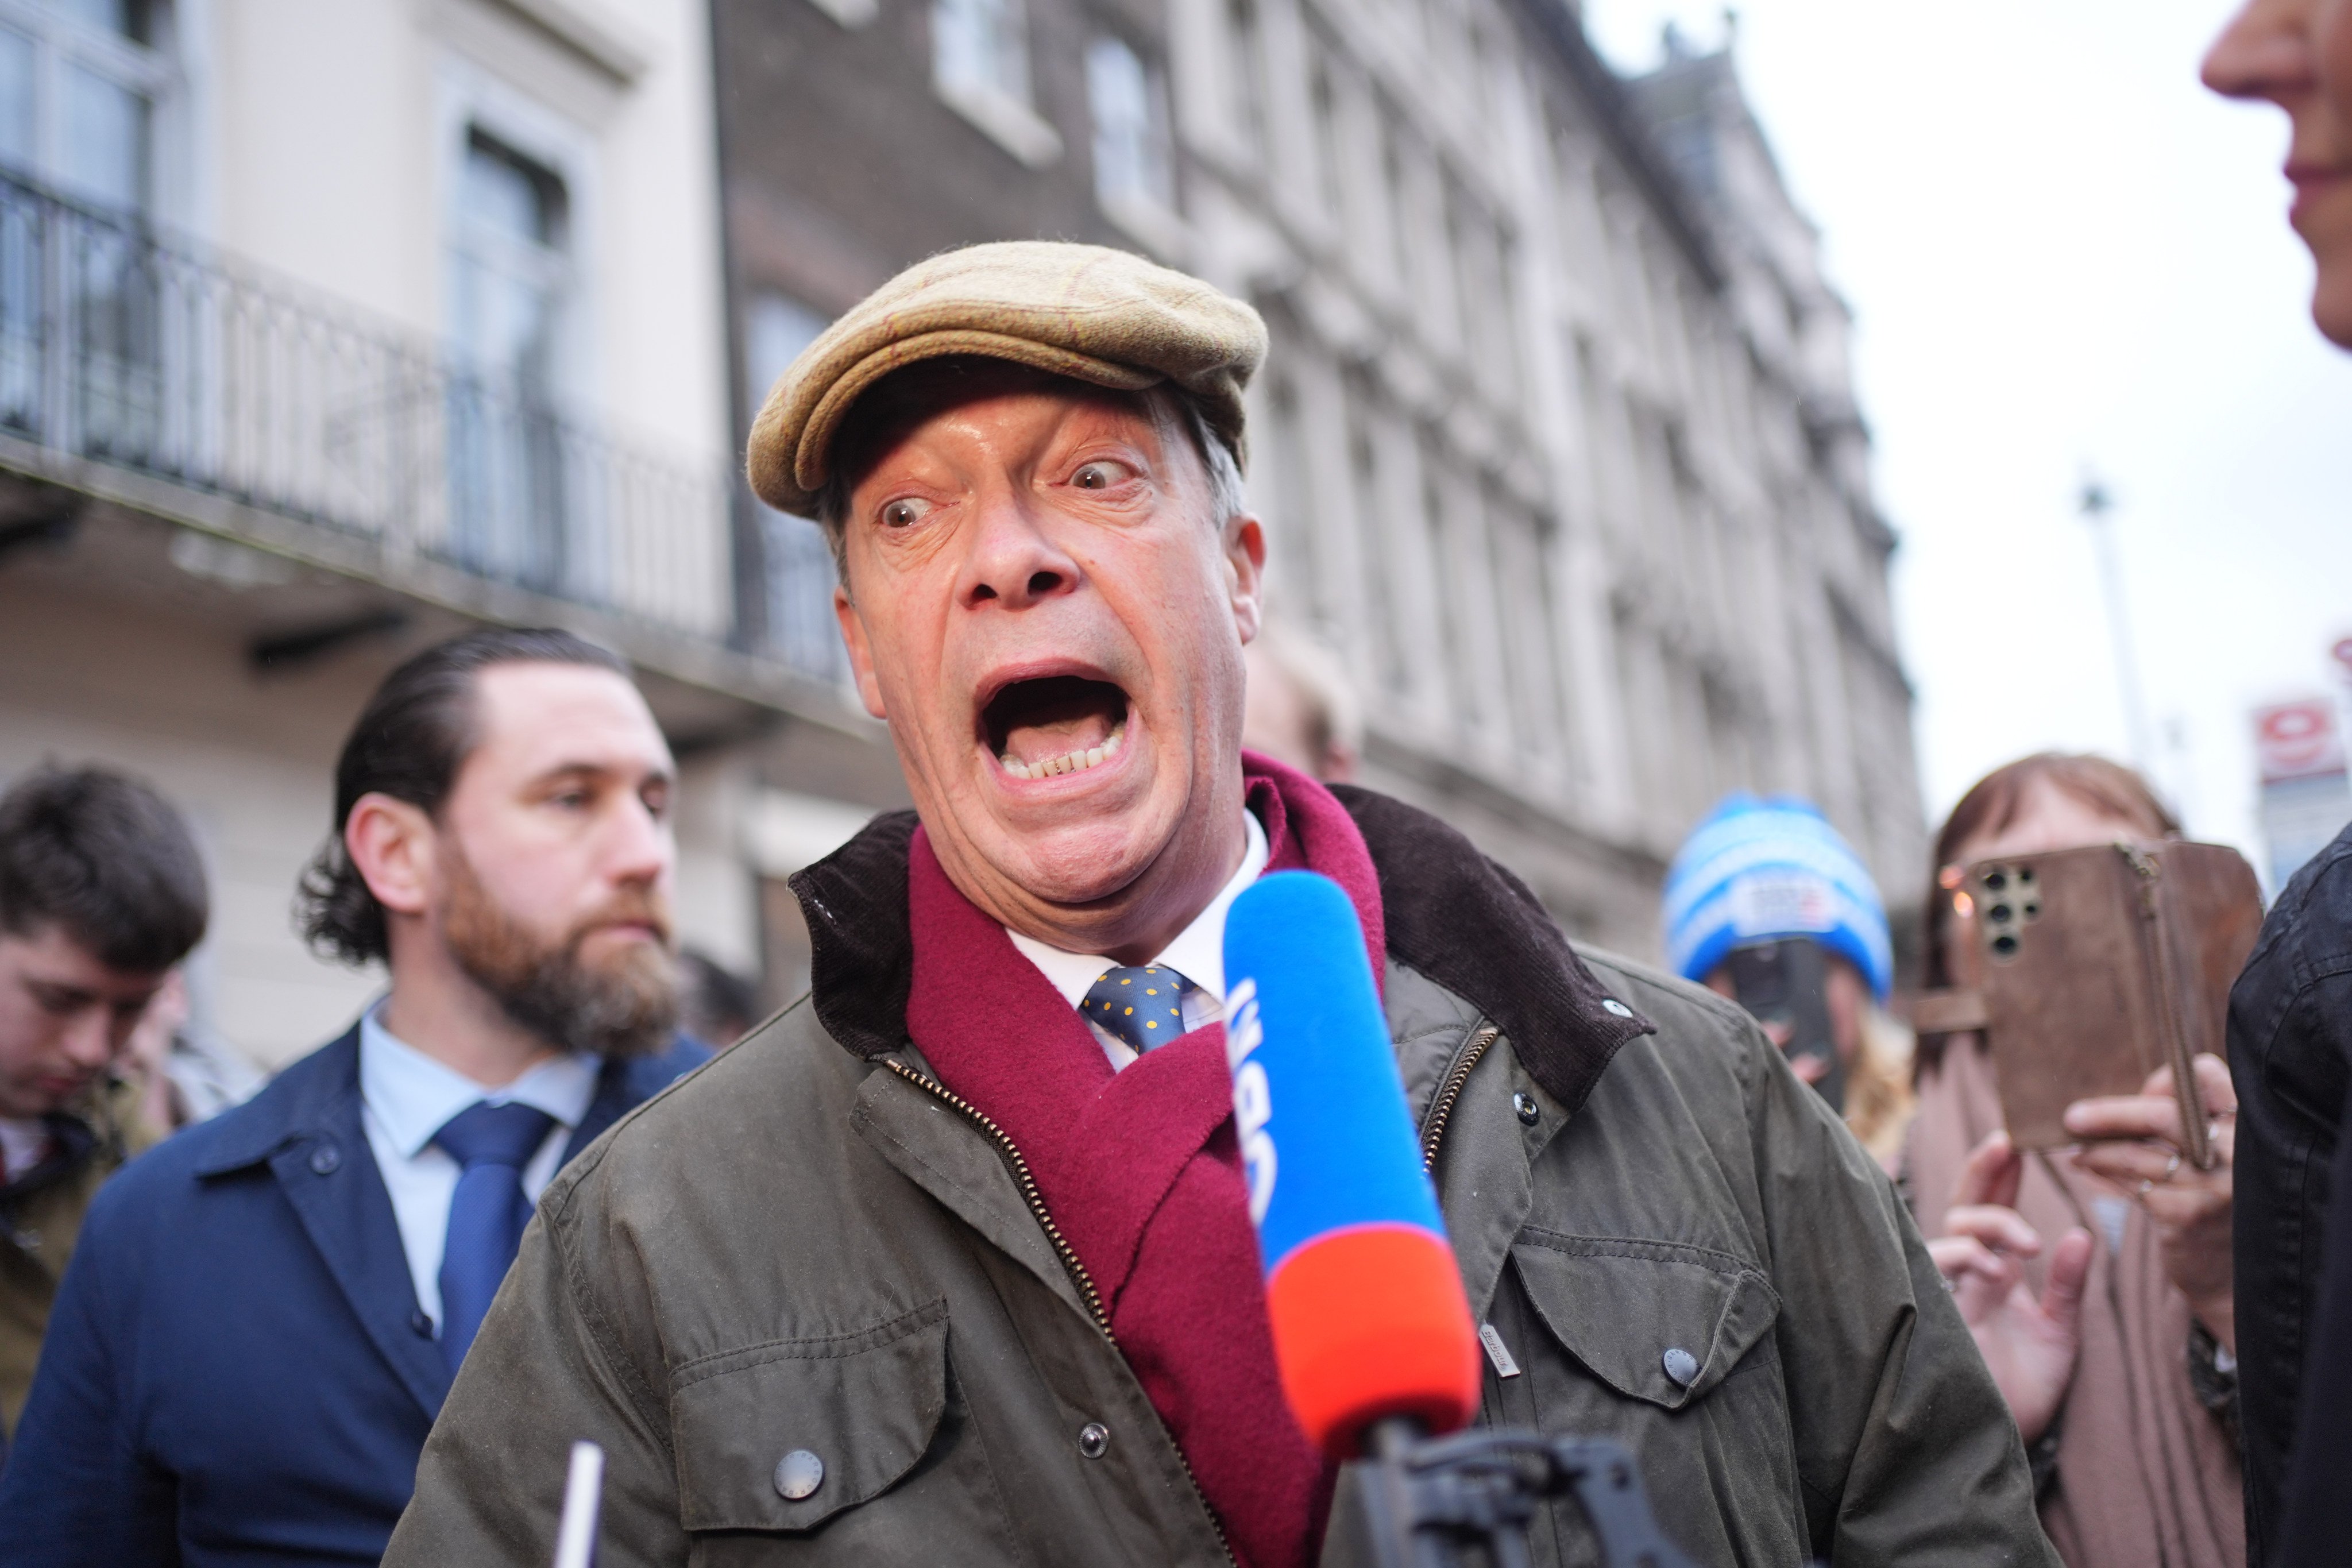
[1198, 953]
[414, 1096]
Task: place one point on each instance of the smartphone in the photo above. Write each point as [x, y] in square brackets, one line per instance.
[1787, 983]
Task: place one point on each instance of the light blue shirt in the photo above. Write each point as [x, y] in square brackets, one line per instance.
[1198, 953]
[406, 1096]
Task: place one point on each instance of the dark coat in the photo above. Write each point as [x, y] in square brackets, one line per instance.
[237, 1369]
[2290, 1057]
[813, 1245]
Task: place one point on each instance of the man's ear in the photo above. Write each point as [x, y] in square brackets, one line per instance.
[392, 845]
[1245, 552]
[861, 654]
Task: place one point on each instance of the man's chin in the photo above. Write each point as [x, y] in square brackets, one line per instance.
[1081, 869]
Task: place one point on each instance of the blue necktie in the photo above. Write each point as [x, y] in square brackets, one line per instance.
[491, 1144]
[1143, 1006]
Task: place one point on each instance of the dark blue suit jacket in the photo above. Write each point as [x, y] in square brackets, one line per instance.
[236, 1370]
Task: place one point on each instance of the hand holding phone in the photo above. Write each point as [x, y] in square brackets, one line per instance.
[1785, 983]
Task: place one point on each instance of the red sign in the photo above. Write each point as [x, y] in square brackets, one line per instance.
[2298, 740]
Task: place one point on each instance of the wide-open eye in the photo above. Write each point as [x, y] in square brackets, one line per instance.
[904, 513]
[1101, 475]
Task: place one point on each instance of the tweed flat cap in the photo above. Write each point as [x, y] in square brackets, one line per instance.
[1093, 314]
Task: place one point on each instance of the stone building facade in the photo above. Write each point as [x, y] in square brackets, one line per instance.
[1557, 445]
[330, 330]
[326, 330]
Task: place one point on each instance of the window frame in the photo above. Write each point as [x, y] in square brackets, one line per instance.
[1005, 111]
[148, 69]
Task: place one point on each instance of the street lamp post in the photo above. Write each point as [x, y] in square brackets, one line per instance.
[2095, 505]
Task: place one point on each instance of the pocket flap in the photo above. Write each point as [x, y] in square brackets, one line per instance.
[865, 1404]
[1624, 1309]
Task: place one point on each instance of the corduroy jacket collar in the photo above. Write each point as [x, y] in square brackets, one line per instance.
[1453, 915]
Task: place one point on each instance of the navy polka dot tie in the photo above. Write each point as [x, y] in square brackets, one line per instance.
[1142, 1006]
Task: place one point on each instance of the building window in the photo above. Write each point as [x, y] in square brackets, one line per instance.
[981, 44]
[1130, 102]
[509, 265]
[802, 630]
[980, 64]
[510, 272]
[78, 84]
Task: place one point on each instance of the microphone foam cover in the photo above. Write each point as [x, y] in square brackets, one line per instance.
[1364, 1296]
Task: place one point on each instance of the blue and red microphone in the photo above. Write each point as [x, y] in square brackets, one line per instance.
[1369, 1318]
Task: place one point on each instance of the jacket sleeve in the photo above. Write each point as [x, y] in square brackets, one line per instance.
[543, 1373]
[76, 1489]
[1905, 1451]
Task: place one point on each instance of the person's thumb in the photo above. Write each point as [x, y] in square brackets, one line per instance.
[2062, 1289]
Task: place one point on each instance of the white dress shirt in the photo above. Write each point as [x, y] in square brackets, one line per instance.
[1198, 953]
[23, 1144]
[406, 1096]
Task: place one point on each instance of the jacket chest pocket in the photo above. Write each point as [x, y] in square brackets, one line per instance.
[794, 1437]
[1667, 1348]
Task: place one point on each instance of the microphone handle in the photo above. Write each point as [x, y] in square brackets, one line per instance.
[1415, 1501]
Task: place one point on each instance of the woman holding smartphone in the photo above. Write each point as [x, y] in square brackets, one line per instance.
[2096, 1280]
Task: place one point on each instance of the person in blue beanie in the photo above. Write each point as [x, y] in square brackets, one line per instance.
[1762, 871]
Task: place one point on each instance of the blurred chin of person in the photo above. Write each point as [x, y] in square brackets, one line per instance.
[2297, 54]
[2096, 1280]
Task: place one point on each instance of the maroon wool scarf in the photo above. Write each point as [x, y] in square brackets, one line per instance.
[1141, 1171]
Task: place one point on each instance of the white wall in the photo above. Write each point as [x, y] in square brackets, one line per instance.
[330, 128]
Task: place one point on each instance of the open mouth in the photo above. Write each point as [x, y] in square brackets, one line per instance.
[1056, 724]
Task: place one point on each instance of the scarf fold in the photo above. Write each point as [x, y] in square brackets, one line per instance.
[1142, 1171]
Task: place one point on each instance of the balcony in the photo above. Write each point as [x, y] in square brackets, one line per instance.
[149, 374]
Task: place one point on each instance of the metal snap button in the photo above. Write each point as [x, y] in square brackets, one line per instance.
[1680, 1365]
[325, 1158]
[798, 1474]
[1611, 1005]
[1525, 1104]
[1094, 1439]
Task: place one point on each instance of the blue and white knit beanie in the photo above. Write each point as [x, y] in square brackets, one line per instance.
[1760, 869]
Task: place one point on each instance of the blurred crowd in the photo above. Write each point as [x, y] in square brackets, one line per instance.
[500, 848]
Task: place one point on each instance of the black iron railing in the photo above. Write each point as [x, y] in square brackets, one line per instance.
[123, 346]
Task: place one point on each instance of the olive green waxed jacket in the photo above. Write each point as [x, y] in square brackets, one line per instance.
[809, 1249]
[40, 1218]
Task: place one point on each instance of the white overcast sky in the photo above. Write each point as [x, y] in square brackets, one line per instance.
[2063, 253]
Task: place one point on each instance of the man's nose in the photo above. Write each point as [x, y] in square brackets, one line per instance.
[642, 847]
[2265, 52]
[90, 1039]
[1013, 560]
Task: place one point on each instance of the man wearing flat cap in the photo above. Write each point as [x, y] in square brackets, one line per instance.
[952, 1261]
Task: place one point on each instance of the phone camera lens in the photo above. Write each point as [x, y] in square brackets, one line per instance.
[2032, 907]
[1996, 880]
[2005, 946]
[2025, 873]
[1998, 913]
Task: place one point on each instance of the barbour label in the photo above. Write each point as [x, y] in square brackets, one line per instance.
[1496, 1351]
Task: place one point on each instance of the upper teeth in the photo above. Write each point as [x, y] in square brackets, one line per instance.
[1068, 763]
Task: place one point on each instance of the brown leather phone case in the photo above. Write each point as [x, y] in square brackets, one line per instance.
[2094, 967]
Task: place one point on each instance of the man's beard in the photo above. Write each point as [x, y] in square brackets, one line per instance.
[626, 1006]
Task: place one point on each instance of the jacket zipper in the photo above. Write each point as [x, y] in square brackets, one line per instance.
[1441, 1107]
[1085, 1281]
